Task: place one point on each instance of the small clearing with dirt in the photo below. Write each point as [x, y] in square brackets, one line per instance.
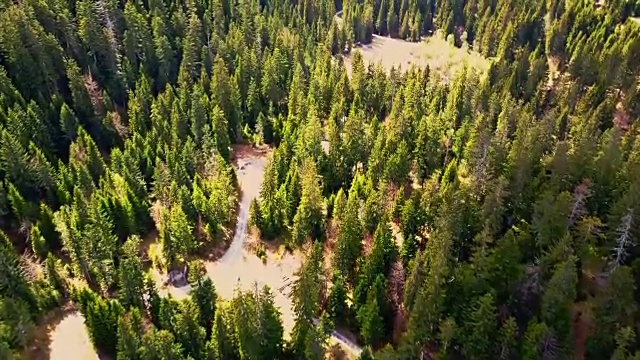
[70, 340]
[62, 335]
[240, 267]
[442, 58]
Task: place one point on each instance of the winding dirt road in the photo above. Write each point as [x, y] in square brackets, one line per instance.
[240, 268]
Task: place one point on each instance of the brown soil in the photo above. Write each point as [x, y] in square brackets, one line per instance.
[582, 327]
[336, 353]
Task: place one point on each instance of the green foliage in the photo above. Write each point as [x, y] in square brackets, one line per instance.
[271, 204]
[13, 282]
[337, 306]
[372, 325]
[17, 322]
[38, 243]
[258, 327]
[160, 344]
[308, 339]
[101, 318]
[349, 246]
[129, 334]
[130, 275]
[205, 297]
[119, 117]
[309, 218]
[481, 328]
[221, 345]
[188, 331]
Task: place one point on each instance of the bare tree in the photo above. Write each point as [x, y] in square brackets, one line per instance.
[581, 193]
[549, 346]
[624, 240]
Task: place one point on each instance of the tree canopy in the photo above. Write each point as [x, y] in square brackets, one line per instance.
[485, 216]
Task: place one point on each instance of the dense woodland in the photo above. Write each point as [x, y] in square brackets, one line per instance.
[491, 217]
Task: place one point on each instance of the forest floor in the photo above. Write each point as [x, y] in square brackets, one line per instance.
[434, 51]
[62, 335]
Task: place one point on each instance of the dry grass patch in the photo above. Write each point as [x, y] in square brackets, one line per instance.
[441, 57]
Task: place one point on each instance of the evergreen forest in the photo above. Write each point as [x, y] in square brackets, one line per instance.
[493, 215]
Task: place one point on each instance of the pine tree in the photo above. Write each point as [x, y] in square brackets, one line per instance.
[160, 345]
[177, 236]
[271, 203]
[383, 18]
[271, 330]
[189, 333]
[14, 162]
[130, 275]
[337, 306]
[558, 298]
[307, 339]
[372, 325]
[392, 20]
[372, 213]
[129, 333]
[482, 328]
[221, 346]
[613, 308]
[38, 243]
[205, 297]
[349, 244]
[17, 320]
[508, 339]
[220, 130]
[309, 219]
[102, 318]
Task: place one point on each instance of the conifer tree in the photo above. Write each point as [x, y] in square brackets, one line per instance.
[189, 333]
[129, 333]
[221, 345]
[337, 306]
[307, 339]
[205, 297]
[309, 218]
[130, 275]
[349, 245]
[482, 327]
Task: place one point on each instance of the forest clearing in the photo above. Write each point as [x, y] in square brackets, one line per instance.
[70, 340]
[240, 268]
[62, 334]
[433, 51]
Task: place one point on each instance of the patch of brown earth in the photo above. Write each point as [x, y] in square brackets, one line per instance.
[582, 328]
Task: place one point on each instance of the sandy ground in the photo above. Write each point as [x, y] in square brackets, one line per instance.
[62, 335]
[434, 51]
[239, 267]
[70, 340]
